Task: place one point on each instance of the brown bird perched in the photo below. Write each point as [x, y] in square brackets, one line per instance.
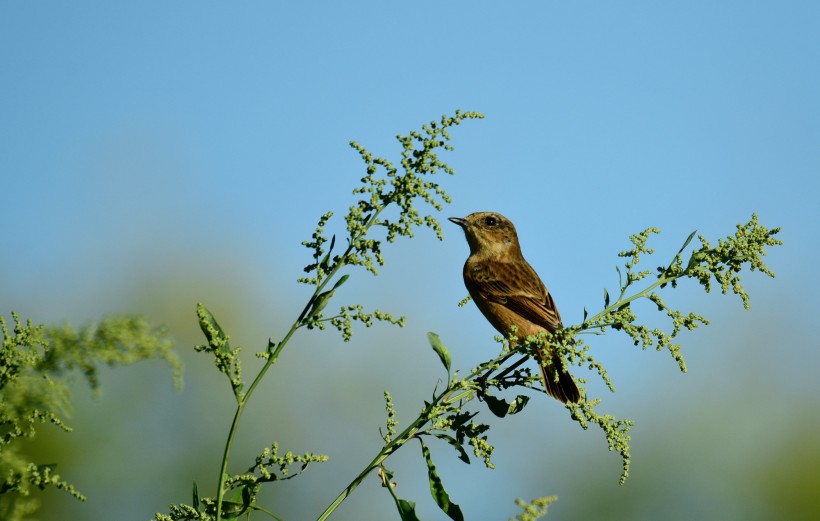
[509, 293]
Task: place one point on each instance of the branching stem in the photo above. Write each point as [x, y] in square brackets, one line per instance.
[271, 359]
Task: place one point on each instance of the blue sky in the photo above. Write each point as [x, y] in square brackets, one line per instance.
[157, 154]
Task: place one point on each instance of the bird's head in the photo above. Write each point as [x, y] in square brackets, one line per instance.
[489, 234]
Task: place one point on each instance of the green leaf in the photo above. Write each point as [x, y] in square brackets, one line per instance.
[319, 304]
[439, 348]
[606, 298]
[232, 509]
[247, 497]
[687, 241]
[440, 495]
[462, 454]
[518, 404]
[341, 281]
[196, 498]
[210, 327]
[407, 510]
[239, 502]
[325, 262]
[502, 408]
[497, 406]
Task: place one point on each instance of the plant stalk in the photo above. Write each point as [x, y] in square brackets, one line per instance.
[243, 399]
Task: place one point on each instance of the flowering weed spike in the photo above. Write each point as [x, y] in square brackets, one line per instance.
[722, 263]
[535, 509]
[384, 188]
[34, 363]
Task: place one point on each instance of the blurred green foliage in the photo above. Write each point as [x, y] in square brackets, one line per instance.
[34, 363]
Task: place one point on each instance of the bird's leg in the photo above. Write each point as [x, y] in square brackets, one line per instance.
[510, 369]
[483, 380]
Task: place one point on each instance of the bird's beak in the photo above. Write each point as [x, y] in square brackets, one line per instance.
[459, 221]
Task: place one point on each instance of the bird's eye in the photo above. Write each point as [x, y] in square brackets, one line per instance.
[490, 221]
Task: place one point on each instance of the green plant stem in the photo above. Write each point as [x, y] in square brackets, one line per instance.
[621, 303]
[406, 435]
[224, 468]
[662, 279]
[386, 451]
[240, 407]
[410, 431]
[243, 399]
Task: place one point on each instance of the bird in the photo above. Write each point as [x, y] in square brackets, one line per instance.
[509, 292]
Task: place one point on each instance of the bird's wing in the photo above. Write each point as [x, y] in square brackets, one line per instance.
[516, 286]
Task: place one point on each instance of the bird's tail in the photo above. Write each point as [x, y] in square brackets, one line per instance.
[564, 390]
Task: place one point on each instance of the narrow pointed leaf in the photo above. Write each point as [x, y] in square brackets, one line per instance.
[440, 350]
[462, 454]
[196, 497]
[325, 262]
[341, 281]
[687, 241]
[606, 298]
[440, 495]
